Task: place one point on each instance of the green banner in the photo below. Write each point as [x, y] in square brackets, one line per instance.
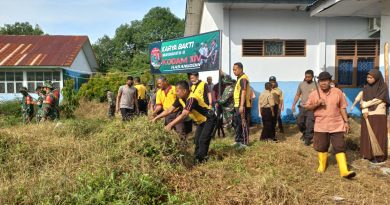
[189, 54]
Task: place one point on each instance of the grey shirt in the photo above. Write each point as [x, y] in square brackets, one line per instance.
[304, 89]
[128, 94]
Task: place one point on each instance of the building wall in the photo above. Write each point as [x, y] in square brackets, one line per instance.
[80, 64]
[320, 35]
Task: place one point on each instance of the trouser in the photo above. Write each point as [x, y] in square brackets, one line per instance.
[242, 126]
[322, 141]
[268, 131]
[143, 106]
[111, 111]
[27, 116]
[179, 127]
[127, 113]
[278, 118]
[305, 123]
[203, 135]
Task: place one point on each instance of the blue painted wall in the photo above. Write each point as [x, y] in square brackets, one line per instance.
[289, 89]
[79, 78]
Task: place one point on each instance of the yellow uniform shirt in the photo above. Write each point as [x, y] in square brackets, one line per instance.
[201, 90]
[167, 97]
[197, 108]
[141, 91]
[242, 84]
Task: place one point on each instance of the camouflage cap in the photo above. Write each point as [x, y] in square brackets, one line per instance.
[23, 89]
[227, 79]
[47, 84]
[151, 83]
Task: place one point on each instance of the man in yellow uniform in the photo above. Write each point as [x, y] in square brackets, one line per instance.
[279, 103]
[141, 96]
[242, 106]
[198, 111]
[165, 98]
[200, 89]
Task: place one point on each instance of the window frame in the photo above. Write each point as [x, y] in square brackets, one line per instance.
[14, 81]
[355, 59]
[36, 82]
[272, 56]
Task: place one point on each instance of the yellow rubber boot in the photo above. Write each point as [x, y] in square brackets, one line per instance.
[342, 162]
[322, 159]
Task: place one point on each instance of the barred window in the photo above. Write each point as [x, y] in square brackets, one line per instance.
[11, 82]
[269, 48]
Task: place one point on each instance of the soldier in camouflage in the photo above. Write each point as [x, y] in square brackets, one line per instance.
[41, 94]
[49, 103]
[151, 96]
[226, 101]
[27, 106]
[111, 103]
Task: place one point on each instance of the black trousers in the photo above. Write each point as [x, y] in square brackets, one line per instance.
[203, 135]
[143, 106]
[268, 131]
[127, 113]
[242, 125]
[278, 118]
[305, 123]
[179, 127]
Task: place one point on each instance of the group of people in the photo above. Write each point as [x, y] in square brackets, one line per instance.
[131, 100]
[47, 103]
[209, 55]
[322, 119]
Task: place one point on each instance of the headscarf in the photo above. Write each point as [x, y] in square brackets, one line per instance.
[377, 90]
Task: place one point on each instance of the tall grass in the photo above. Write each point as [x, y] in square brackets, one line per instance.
[93, 160]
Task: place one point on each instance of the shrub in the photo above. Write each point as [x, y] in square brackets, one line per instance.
[94, 88]
[8, 108]
[70, 99]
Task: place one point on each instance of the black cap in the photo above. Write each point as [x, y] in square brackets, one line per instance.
[324, 76]
[272, 78]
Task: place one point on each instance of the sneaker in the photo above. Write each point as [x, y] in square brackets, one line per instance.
[242, 146]
[236, 144]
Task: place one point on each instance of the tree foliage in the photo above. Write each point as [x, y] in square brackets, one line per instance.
[127, 51]
[21, 28]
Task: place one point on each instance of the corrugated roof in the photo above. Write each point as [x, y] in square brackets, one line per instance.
[39, 50]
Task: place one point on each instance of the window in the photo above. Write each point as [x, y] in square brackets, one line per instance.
[11, 82]
[278, 48]
[35, 79]
[354, 58]
[274, 48]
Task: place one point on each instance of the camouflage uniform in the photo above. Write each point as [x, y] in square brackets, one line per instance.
[39, 114]
[111, 104]
[49, 107]
[27, 106]
[226, 101]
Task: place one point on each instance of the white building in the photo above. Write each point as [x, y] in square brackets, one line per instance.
[284, 38]
[30, 60]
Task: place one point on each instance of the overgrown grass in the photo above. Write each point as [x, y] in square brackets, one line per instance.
[93, 160]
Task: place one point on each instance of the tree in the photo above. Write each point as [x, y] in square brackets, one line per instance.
[128, 49]
[18, 28]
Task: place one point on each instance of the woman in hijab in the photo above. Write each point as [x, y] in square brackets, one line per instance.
[374, 107]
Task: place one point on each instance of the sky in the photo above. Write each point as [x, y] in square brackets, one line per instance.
[94, 18]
